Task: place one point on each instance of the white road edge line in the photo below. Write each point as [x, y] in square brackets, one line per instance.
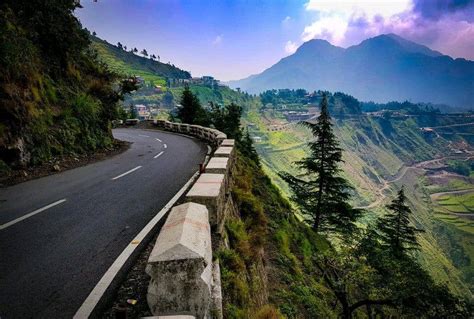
[126, 173]
[159, 140]
[159, 154]
[96, 294]
[165, 146]
[143, 135]
[19, 219]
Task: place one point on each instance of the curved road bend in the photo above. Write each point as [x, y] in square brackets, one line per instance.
[59, 234]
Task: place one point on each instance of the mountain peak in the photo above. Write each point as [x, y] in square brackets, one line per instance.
[317, 47]
[391, 41]
[315, 44]
[381, 69]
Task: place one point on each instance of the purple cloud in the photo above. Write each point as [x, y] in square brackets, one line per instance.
[435, 9]
[443, 25]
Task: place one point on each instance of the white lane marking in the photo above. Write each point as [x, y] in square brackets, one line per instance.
[165, 146]
[159, 140]
[127, 172]
[19, 219]
[99, 290]
[143, 135]
[158, 155]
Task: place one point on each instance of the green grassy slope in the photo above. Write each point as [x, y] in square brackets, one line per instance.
[128, 63]
[219, 94]
[267, 269]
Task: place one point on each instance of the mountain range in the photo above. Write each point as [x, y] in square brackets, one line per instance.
[380, 69]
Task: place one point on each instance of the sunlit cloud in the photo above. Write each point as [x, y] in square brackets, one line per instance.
[357, 8]
[444, 25]
[335, 19]
[290, 47]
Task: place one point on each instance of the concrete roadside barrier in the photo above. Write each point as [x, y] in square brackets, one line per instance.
[180, 264]
[209, 190]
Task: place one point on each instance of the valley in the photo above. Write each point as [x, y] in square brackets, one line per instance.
[383, 153]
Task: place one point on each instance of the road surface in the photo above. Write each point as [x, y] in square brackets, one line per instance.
[59, 234]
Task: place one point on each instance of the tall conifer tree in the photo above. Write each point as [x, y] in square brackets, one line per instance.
[395, 230]
[191, 111]
[322, 194]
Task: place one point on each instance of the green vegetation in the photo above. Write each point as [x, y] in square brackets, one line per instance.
[268, 262]
[220, 95]
[276, 266]
[128, 63]
[396, 233]
[461, 167]
[377, 151]
[457, 203]
[56, 97]
[191, 111]
[322, 194]
[226, 119]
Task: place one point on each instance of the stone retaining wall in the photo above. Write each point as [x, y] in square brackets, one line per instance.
[185, 278]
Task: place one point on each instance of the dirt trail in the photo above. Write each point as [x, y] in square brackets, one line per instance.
[403, 170]
[386, 184]
[461, 191]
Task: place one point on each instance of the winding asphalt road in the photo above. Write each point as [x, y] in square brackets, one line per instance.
[59, 234]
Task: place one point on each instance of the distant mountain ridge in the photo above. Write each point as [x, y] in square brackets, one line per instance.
[380, 69]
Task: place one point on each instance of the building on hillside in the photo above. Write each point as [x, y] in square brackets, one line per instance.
[172, 82]
[294, 116]
[158, 89]
[256, 139]
[143, 112]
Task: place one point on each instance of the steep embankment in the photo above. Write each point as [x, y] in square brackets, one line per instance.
[56, 98]
[379, 154]
[268, 271]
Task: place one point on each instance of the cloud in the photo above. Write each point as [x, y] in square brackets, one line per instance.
[218, 39]
[291, 47]
[444, 25]
[435, 9]
[369, 8]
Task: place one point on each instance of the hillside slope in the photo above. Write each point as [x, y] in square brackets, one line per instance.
[128, 63]
[379, 154]
[381, 69]
[55, 97]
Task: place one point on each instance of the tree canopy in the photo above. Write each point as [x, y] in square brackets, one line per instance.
[322, 194]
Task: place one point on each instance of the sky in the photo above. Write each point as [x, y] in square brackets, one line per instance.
[232, 39]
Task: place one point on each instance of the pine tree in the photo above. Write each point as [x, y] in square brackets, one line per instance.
[395, 230]
[191, 111]
[232, 115]
[247, 149]
[322, 194]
